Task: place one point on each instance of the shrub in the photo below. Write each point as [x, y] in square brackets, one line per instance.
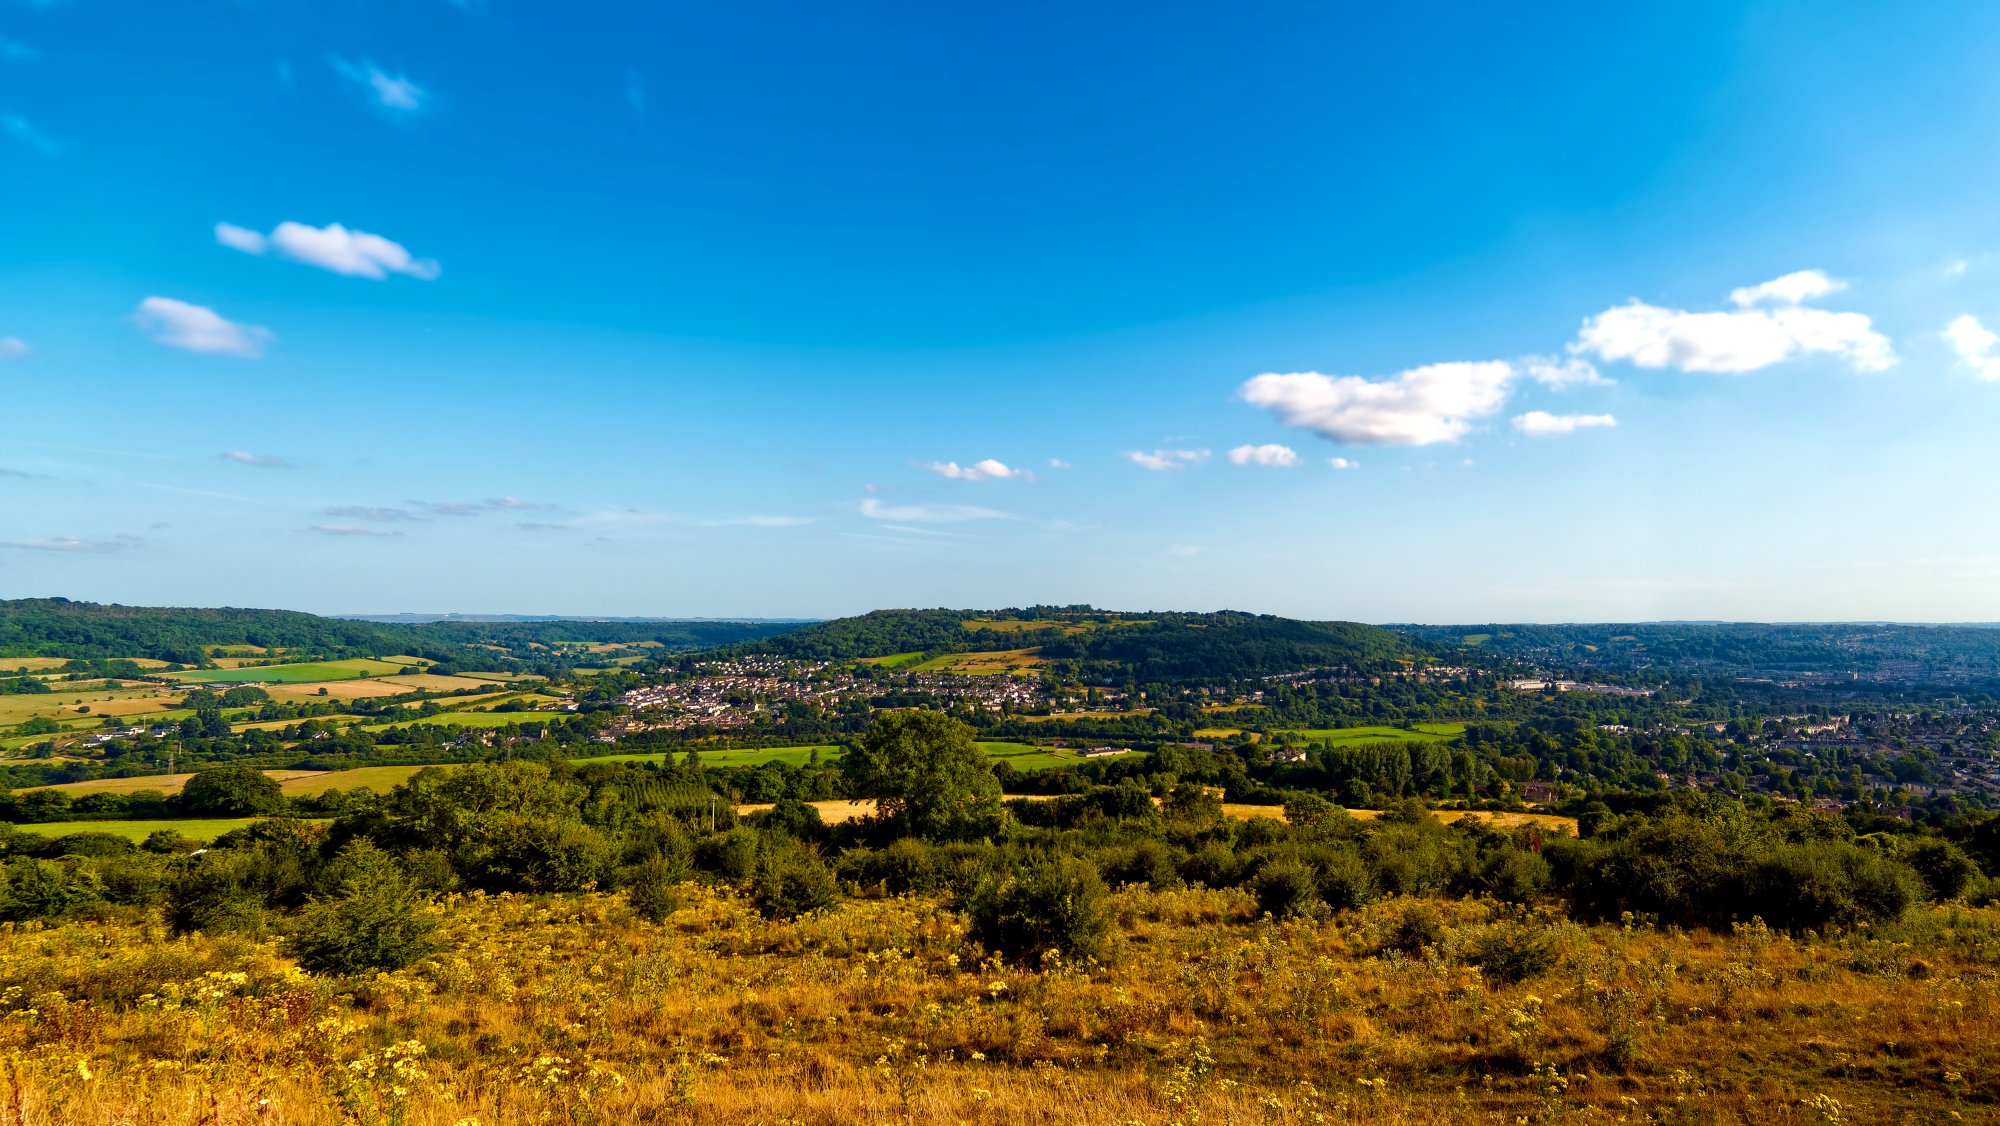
[792, 881]
[44, 889]
[374, 920]
[1051, 906]
[654, 891]
[1417, 927]
[535, 854]
[1342, 877]
[731, 855]
[1513, 952]
[1945, 868]
[1148, 862]
[1286, 890]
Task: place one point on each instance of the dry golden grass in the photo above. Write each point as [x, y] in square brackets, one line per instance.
[572, 1010]
[294, 783]
[429, 682]
[31, 664]
[362, 689]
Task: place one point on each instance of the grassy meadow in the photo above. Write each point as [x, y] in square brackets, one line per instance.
[304, 673]
[574, 1010]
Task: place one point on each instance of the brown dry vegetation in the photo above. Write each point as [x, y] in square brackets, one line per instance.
[573, 1010]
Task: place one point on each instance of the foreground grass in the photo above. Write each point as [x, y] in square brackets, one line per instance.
[572, 1010]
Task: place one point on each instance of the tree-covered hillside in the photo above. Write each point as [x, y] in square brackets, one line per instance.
[1166, 646]
[58, 627]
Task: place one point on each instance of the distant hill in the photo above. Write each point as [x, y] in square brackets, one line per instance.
[426, 619]
[58, 627]
[1168, 645]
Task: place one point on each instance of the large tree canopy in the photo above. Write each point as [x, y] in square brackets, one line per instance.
[925, 768]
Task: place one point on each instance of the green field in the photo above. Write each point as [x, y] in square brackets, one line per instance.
[739, 756]
[893, 660]
[292, 674]
[200, 830]
[1026, 756]
[1339, 736]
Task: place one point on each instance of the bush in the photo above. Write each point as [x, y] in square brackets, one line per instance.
[44, 889]
[1342, 877]
[792, 881]
[1051, 906]
[373, 920]
[1286, 890]
[1511, 953]
[654, 891]
[535, 854]
[1419, 926]
[1945, 868]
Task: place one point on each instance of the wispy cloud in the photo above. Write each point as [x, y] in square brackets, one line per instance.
[75, 545]
[987, 469]
[13, 347]
[392, 92]
[198, 328]
[1542, 424]
[356, 254]
[1270, 453]
[256, 461]
[449, 507]
[24, 132]
[757, 520]
[371, 513]
[1165, 461]
[928, 513]
[1058, 463]
[351, 530]
[635, 91]
[17, 52]
[1343, 463]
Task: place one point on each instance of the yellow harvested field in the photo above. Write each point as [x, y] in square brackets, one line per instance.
[31, 664]
[430, 683]
[295, 783]
[363, 689]
[63, 705]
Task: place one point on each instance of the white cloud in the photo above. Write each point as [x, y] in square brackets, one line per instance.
[1184, 550]
[392, 92]
[198, 328]
[13, 348]
[1540, 424]
[240, 238]
[74, 545]
[516, 504]
[1435, 403]
[927, 513]
[1975, 344]
[1270, 453]
[449, 507]
[1792, 289]
[1558, 372]
[1343, 463]
[987, 469]
[256, 461]
[351, 530]
[1058, 463]
[1956, 268]
[757, 520]
[1164, 461]
[356, 254]
[1747, 340]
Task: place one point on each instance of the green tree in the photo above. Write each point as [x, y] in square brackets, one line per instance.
[1054, 906]
[374, 918]
[232, 791]
[924, 768]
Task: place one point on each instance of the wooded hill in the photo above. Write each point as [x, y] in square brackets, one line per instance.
[1144, 647]
[58, 627]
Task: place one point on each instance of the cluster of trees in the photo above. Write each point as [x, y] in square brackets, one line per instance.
[1031, 876]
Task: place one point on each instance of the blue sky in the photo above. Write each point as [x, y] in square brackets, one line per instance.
[1431, 314]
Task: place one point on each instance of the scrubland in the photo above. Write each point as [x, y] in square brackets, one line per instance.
[573, 1009]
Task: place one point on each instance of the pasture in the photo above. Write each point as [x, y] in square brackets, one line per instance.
[990, 663]
[893, 660]
[1379, 733]
[13, 665]
[295, 783]
[306, 673]
[1073, 717]
[738, 756]
[197, 829]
